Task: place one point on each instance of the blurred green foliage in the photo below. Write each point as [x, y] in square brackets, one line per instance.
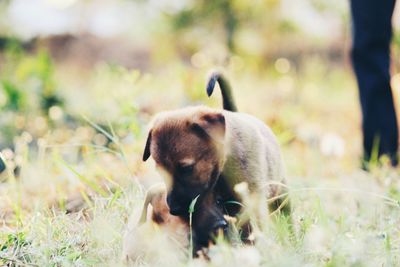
[27, 88]
[25, 75]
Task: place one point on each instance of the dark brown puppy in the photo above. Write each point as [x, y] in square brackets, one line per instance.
[207, 216]
[200, 150]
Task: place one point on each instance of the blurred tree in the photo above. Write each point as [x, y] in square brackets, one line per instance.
[15, 99]
[203, 11]
[27, 89]
[233, 17]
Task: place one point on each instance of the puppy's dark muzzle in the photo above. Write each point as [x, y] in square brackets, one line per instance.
[220, 226]
[175, 208]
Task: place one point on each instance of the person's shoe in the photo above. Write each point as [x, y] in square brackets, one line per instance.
[367, 161]
[394, 160]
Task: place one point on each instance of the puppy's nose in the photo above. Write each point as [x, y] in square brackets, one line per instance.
[220, 225]
[176, 210]
[174, 207]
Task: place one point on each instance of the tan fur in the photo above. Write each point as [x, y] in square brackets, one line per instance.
[242, 148]
[189, 145]
[157, 228]
[246, 139]
[252, 155]
[156, 225]
[204, 153]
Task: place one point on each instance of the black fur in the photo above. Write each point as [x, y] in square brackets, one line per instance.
[226, 91]
[146, 153]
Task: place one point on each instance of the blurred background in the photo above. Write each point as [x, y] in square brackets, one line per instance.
[82, 77]
[72, 71]
[81, 80]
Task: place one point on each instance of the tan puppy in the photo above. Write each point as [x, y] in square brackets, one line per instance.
[155, 232]
[201, 151]
[141, 238]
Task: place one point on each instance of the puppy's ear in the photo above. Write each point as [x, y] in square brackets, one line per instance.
[210, 125]
[146, 153]
[154, 193]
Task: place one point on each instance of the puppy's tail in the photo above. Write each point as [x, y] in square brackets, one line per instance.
[226, 90]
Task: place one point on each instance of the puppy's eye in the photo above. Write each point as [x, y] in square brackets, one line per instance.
[186, 169]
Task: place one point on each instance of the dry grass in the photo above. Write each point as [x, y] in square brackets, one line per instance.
[80, 183]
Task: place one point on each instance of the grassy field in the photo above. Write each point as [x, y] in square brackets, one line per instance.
[75, 175]
[75, 111]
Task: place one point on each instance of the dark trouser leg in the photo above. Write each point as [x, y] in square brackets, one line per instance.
[372, 32]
